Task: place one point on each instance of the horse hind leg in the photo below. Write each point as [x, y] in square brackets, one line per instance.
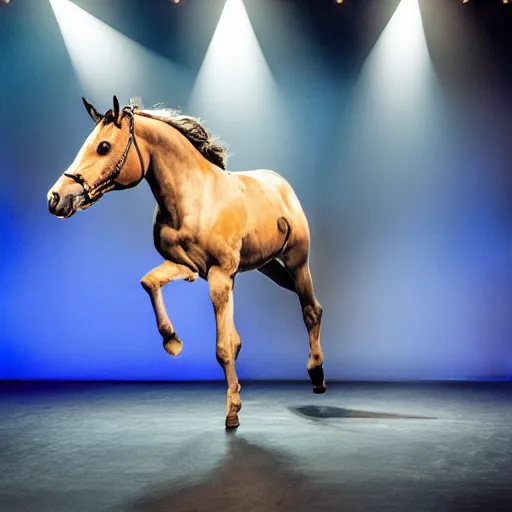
[277, 272]
[236, 343]
[312, 318]
[297, 263]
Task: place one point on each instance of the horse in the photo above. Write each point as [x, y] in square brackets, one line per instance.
[209, 223]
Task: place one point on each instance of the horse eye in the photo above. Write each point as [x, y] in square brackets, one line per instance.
[103, 148]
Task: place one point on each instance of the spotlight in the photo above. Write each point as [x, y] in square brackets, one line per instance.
[5, 2]
[505, 1]
[175, 2]
[338, 1]
[465, 1]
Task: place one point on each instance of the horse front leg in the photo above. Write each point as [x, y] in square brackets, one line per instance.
[153, 282]
[228, 341]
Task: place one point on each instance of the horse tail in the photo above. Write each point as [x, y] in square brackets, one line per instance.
[284, 227]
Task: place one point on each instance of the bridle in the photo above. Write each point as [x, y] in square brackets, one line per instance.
[92, 193]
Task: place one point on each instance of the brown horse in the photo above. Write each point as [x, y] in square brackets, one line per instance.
[208, 222]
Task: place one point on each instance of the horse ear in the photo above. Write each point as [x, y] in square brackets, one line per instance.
[95, 115]
[115, 111]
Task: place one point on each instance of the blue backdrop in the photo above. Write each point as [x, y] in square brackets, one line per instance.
[409, 206]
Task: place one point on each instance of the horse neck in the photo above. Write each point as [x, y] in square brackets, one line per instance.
[177, 173]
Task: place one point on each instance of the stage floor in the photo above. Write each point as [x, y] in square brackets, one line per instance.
[75, 447]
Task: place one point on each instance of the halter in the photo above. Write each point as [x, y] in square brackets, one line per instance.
[91, 191]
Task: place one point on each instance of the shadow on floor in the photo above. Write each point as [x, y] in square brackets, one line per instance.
[326, 412]
[250, 479]
[256, 479]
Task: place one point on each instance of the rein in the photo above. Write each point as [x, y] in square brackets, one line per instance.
[91, 191]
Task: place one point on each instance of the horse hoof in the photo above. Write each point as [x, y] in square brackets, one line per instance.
[232, 422]
[316, 375]
[173, 345]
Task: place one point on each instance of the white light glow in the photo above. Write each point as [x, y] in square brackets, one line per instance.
[234, 77]
[399, 67]
[106, 61]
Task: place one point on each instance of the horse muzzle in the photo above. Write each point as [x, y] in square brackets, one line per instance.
[60, 205]
[65, 198]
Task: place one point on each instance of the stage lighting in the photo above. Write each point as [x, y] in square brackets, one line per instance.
[175, 1]
[338, 1]
[234, 70]
[5, 1]
[89, 39]
[465, 1]
[398, 71]
[235, 90]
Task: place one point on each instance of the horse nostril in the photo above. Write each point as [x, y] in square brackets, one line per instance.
[54, 201]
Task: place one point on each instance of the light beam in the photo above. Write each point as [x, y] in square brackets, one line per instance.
[234, 82]
[399, 69]
[108, 62]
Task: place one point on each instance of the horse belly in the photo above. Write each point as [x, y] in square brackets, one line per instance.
[263, 243]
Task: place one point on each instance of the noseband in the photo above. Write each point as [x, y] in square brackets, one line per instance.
[92, 191]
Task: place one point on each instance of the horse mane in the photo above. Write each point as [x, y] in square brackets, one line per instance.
[194, 130]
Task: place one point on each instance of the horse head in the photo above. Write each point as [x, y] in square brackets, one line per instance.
[105, 162]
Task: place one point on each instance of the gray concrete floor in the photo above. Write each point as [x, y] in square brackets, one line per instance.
[76, 447]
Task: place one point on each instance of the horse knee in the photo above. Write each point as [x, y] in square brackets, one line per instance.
[312, 315]
[223, 355]
[149, 284]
